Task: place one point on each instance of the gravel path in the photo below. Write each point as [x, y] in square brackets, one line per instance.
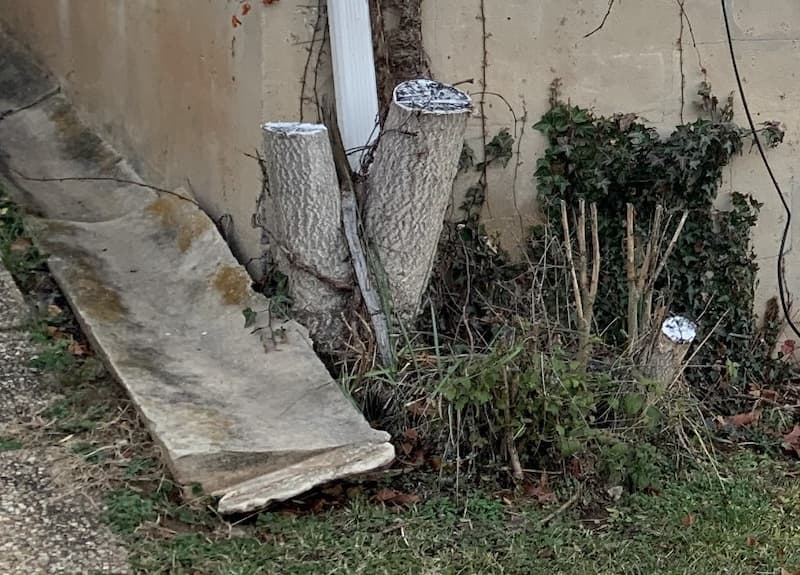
[47, 526]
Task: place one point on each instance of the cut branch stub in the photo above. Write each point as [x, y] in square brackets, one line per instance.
[409, 185]
[307, 235]
[670, 348]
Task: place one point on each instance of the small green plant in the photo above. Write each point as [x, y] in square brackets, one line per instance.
[547, 406]
[138, 466]
[90, 452]
[18, 253]
[10, 444]
[126, 510]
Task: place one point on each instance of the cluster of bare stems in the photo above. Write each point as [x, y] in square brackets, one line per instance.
[643, 268]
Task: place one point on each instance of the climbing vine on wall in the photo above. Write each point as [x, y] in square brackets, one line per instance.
[711, 275]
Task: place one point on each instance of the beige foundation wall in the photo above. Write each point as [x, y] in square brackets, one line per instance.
[636, 63]
[174, 85]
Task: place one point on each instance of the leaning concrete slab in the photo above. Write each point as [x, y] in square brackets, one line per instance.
[250, 414]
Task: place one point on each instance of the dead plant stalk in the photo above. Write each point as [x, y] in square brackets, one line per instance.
[584, 289]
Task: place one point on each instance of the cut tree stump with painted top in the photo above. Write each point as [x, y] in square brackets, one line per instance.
[409, 185]
[307, 234]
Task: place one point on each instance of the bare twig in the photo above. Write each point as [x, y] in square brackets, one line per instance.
[651, 252]
[10, 112]
[568, 251]
[633, 292]
[567, 504]
[304, 80]
[107, 179]
[584, 290]
[482, 104]
[603, 22]
[670, 247]
[582, 263]
[591, 292]
[513, 455]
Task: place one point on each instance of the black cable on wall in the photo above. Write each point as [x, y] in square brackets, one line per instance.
[781, 275]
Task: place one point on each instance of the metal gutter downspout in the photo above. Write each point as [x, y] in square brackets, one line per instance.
[354, 75]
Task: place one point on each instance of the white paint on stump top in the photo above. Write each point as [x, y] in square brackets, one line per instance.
[293, 128]
[679, 329]
[432, 97]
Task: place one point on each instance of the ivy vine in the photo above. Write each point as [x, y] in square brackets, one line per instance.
[711, 275]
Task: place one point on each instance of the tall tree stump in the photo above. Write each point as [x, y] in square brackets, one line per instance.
[409, 185]
[310, 247]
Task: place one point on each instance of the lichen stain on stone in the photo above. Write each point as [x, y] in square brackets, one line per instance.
[208, 423]
[187, 226]
[233, 283]
[97, 300]
[79, 141]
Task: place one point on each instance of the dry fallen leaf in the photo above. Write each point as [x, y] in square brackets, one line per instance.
[53, 310]
[541, 491]
[768, 394]
[391, 497]
[385, 494]
[78, 349]
[751, 541]
[689, 520]
[744, 419]
[791, 441]
[20, 245]
[411, 435]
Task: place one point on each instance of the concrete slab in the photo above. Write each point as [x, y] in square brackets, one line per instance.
[161, 297]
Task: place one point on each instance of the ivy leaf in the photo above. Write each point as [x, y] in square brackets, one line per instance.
[249, 317]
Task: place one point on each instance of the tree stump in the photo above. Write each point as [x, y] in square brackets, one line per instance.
[309, 245]
[409, 185]
[670, 348]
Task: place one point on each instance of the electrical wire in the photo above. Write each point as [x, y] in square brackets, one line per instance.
[781, 276]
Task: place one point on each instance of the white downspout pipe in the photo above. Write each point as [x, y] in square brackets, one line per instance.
[354, 75]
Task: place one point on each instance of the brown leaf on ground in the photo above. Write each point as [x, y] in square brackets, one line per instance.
[20, 246]
[791, 441]
[390, 496]
[77, 349]
[768, 394]
[744, 419]
[53, 310]
[689, 520]
[540, 491]
[751, 541]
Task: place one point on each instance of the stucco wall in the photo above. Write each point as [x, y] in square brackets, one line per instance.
[174, 85]
[633, 64]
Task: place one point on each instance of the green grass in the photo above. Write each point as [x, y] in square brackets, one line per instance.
[10, 444]
[748, 524]
[19, 255]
